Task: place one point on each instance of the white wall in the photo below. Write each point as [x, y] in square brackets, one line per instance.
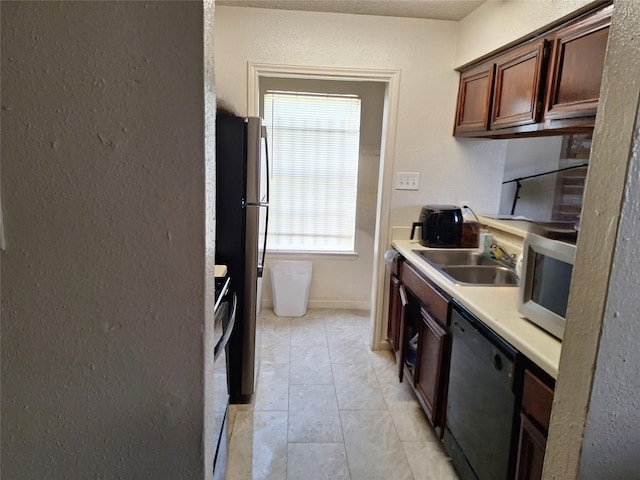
[530, 156]
[496, 23]
[103, 275]
[423, 50]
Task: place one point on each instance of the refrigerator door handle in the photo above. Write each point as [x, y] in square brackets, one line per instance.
[264, 242]
[263, 132]
[265, 201]
[253, 137]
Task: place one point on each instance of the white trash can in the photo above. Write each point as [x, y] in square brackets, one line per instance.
[290, 281]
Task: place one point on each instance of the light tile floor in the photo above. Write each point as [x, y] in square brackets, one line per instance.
[327, 407]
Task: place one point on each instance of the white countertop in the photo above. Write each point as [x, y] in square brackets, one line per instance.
[514, 227]
[497, 308]
[220, 271]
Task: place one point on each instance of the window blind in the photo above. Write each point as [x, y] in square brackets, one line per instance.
[314, 144]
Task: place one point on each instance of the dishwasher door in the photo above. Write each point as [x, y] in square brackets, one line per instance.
[480, 408]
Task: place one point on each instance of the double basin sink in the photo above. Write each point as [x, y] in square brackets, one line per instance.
[468, 267]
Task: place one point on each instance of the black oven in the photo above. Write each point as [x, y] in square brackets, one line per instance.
[225, 315]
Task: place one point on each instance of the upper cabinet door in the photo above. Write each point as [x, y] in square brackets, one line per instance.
[576, 68]
[520, 75]
[474, 100]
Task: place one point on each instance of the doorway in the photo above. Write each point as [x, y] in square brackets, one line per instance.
[390, 79]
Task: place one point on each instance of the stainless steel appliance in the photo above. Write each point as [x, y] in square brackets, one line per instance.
[480, 434]
[225, 315]
[545, 282]
[440, 226]
[242, 197]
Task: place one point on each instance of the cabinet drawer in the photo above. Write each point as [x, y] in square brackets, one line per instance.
[537, 399]
[432, 300]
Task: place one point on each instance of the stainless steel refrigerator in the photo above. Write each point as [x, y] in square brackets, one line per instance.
[242, 213]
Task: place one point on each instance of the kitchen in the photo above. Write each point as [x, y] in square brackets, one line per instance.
[38, 336]
[426, 74]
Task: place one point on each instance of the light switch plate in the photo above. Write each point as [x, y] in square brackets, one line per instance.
[407, 181]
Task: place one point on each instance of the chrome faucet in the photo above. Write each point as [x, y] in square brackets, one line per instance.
[503, 256]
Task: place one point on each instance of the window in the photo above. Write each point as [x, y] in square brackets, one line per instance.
[314, 144]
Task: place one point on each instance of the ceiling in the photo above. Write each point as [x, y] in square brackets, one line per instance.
[433, 9]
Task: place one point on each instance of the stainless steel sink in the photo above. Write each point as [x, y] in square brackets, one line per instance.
[481, 275]
[468, 267]
[456, 257]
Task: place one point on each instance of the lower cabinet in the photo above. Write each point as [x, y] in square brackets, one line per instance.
[421, 313]
[395, 312]
[537, 399]
[531, 450]
[397, 307]
[430, 374]
[419, 333]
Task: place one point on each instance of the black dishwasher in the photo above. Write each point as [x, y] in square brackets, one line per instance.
[479, 434]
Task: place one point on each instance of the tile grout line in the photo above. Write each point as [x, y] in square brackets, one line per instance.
[286, 454]
[332, 329]
[335, 391]
[395, 427]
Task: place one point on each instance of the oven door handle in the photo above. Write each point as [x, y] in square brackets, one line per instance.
[219, 348]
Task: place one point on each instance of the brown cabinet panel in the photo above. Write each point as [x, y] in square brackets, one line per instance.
[531, 452]
[423, 340]
[403, 303]
[577, 66]
[547, 84]
[393, 320]
[474, 99]
[518, 87]
[537, 399]
[432, 300]
[431, 368]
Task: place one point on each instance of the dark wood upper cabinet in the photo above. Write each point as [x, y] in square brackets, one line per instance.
[546, 84]
[519, 81]
[577, 65]
[474, 99]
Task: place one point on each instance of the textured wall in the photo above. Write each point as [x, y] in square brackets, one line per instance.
[598, 377]
[210, 226]
[529, 156]
[498, 22]
[103, 276]
[612, 437]
[423, 51]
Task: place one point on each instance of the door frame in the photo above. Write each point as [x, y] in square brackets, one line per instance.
[382, 239]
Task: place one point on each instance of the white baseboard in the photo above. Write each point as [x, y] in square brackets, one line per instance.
[346, 304]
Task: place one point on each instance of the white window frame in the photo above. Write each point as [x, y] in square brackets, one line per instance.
[391, 78]
[314, 149]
